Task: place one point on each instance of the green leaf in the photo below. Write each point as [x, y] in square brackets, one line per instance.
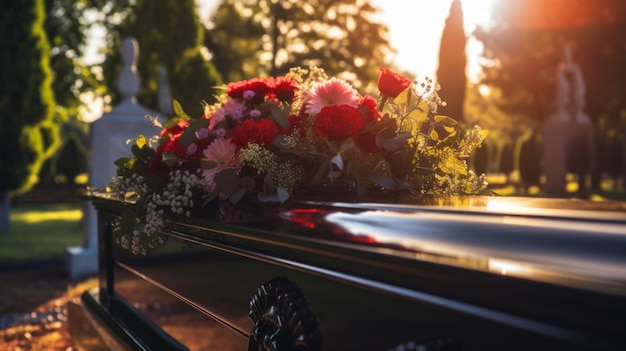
[346, 145]
[382, 180]
[383, 136]
[171, 122]
[418, 115]
[337, 161]
[189, 135]
[237, 195]
[448, 140]
[283, 195]
[207, 164]
[434, 135]
[395, 143]
[141, 141]
[227, 181]
[280, 115]
[409, 98]
[483, 133]
[136, 151]
[178, 111]
[403, 97]
[321, 173]
[121, 162]
[169, 158]
[445, 120]
[452, 165]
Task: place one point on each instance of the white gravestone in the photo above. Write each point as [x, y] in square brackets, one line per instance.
[567, 127]
[108, 143]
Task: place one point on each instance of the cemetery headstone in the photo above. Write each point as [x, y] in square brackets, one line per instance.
[108, 143]
[567, 130]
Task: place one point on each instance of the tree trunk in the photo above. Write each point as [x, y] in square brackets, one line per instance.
[5, 207]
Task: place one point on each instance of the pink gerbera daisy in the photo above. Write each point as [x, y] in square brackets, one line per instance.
[224, 153]
[331, 92]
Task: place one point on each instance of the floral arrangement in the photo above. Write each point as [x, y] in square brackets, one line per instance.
[272, 139]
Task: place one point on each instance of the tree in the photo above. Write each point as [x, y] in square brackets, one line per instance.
[526, 42]
[170, 35]
[235, 48]
[65, 31]
[65, 26]
[339, 36]
[29, 135]
[452, 62]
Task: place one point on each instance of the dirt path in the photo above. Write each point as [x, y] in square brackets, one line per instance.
[33, 311]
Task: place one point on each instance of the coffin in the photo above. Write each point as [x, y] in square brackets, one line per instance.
[452, 273]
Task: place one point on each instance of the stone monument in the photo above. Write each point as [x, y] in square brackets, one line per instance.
[108, 143]
[568, 134]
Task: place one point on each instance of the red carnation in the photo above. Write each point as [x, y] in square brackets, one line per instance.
[391, 84]
[298, 122]
[368, 108]
[284, 88]
[156, 166]
[260, 132]
[338, 122]
[236, 89]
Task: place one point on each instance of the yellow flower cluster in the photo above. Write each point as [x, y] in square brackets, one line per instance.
[284, 174]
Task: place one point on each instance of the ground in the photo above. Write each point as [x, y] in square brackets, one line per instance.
[33, 307]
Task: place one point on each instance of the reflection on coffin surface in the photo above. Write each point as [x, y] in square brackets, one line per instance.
[469, 273]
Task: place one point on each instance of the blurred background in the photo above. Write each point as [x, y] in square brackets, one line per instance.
[497, 61]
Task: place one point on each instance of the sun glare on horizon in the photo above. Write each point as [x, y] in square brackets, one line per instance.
[415, 30]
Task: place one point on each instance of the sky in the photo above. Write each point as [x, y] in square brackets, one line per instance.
[404, 18]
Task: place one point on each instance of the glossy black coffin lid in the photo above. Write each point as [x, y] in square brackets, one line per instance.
[574, 243]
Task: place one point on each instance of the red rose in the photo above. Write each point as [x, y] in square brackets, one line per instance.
[338, 122]
[236, 89]
[391, 84]
[260, 132]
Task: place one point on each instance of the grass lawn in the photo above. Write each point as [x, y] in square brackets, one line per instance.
[41, 231]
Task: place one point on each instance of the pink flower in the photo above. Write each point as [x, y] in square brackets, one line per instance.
[224, 153]
[232, 107]
[331, 92]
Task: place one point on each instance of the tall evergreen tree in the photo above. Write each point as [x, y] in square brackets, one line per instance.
[452, 62]
[29, 135]
[66, 29]
[169, 34]
[340, 36]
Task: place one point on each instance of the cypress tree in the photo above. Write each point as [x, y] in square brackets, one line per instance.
[29, 135]
[452, 61]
